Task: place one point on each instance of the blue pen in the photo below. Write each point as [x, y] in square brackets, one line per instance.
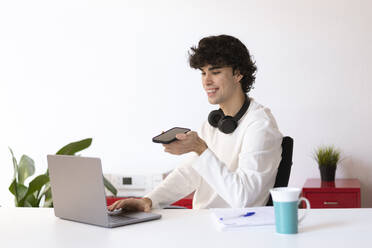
[243, 215]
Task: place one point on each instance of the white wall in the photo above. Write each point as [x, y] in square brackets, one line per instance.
[117, 71]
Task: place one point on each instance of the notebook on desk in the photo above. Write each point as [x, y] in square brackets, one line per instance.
[240, 218]
[79, 194]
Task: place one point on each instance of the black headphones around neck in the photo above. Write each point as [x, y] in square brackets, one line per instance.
[225, 123]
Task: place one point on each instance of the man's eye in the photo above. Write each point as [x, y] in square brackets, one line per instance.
[203, 73]
[215, 72]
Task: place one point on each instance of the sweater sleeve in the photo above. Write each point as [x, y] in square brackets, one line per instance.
[257, 166]
[178, 184]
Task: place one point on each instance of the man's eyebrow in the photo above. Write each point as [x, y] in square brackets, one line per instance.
[212, 68]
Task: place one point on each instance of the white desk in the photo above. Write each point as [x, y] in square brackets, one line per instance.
[32, 227]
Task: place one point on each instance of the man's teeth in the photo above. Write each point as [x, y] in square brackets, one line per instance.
[212, 91]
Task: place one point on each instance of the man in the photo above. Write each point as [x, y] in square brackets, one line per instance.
[234, 159]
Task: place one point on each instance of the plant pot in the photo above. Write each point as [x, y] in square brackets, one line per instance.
[327, 173]
[325, 184]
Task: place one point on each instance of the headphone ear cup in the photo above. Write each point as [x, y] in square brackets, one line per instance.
[214, 117]
[227, 124]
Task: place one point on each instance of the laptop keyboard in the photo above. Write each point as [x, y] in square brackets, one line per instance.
[119, 218]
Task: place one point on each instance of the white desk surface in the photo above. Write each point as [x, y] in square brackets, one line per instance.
[178, 228]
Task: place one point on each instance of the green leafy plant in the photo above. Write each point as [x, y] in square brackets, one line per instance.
[39, 187]
[327, 156]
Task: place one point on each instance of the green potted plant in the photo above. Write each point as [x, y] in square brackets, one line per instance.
[39, 187]
[327, 158]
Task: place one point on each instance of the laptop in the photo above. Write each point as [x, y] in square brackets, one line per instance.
[79, 194]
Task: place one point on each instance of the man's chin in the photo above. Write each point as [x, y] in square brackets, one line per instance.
[213, 100]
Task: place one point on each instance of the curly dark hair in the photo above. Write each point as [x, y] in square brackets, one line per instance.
[225, 50]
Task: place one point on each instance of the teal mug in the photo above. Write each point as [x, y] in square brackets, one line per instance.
[286, 201]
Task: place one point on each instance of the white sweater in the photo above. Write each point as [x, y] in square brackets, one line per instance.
[237, 170]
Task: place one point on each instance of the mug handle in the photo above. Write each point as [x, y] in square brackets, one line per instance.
[307, 208]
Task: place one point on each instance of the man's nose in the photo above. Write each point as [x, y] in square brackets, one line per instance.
[207, 79]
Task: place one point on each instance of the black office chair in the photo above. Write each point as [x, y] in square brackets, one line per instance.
[284, 170]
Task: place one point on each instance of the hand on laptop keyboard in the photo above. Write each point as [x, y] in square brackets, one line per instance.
[114, 212]
[132, 204]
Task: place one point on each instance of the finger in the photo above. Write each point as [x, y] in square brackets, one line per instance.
[113, 206]
[109, 207]
[191, 133]
[147, 208]
[181, 136]
[120, 204]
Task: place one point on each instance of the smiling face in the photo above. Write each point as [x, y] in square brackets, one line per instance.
[221, 84]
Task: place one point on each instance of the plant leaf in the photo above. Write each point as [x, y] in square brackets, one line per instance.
[31, 201]
[109, 186]
[74, 147]
[45, 190]
[327, 155]
[37, 183]
[15, 164]
[27, 204]
[18, 192]
[26, 168]
[35, 186]
[15, 169]
[48, 203]
[47, 193]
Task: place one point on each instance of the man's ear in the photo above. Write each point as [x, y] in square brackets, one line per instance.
[237, 75]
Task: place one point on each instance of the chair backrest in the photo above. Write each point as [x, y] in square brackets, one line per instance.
[284, 169]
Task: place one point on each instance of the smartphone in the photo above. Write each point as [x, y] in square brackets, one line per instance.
[170, 135]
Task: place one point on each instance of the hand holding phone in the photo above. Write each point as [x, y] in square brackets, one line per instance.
[170, 135]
